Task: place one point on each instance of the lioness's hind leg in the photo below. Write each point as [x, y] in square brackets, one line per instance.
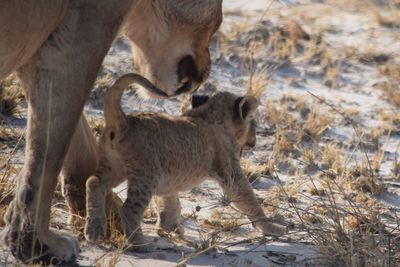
[239, 191]
[80, 162]
[169, 213]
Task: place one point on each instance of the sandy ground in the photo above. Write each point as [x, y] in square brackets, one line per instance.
[341, 69]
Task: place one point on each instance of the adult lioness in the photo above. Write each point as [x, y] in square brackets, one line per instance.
[57, 48]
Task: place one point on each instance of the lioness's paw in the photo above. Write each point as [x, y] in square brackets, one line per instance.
[48, 247]
[95, 228]
[63, 245]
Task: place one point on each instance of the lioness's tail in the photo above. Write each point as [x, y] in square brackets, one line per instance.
[113, 113]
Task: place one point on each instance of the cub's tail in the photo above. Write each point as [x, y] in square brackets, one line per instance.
[113, 113]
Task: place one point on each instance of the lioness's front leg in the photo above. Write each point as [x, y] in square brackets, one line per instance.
[239, 191]
[57, 81]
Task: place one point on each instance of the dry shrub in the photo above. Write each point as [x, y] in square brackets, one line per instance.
[362, 179]
[347, 231]
[370, 140]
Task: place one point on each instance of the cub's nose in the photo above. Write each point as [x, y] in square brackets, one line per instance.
[186, 73]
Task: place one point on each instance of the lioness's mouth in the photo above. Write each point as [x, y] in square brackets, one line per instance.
[184, 88]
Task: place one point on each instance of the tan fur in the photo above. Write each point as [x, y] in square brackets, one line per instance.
[57, 48]
[163, 155]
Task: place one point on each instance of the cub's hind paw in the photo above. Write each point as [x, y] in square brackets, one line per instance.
[142, 246]
[272, 229]
[95, 229]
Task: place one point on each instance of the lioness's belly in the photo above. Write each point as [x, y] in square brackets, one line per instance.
[24, 27]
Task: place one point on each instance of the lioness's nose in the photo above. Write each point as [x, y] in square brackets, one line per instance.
[187, 72]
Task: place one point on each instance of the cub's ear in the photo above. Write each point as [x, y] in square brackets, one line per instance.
[198, 100]
[245, 106]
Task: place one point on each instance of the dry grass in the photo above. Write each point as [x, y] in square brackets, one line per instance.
[396, 166]
[392, 90]
[338, 212]
[253, 170]
[391, 117]
[367, 55]
[332, 159]
[10, 95]
[97, 125]
[257, 84]
[320, 54]
[219, 222]
[283, 143]
[278, 117]
[297, 104]
[185, 105]
[317, 124]
[389, 18]
[284, 42]
[392, 86]
[7, 186]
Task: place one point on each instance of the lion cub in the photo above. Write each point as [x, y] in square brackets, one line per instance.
[163, 155]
